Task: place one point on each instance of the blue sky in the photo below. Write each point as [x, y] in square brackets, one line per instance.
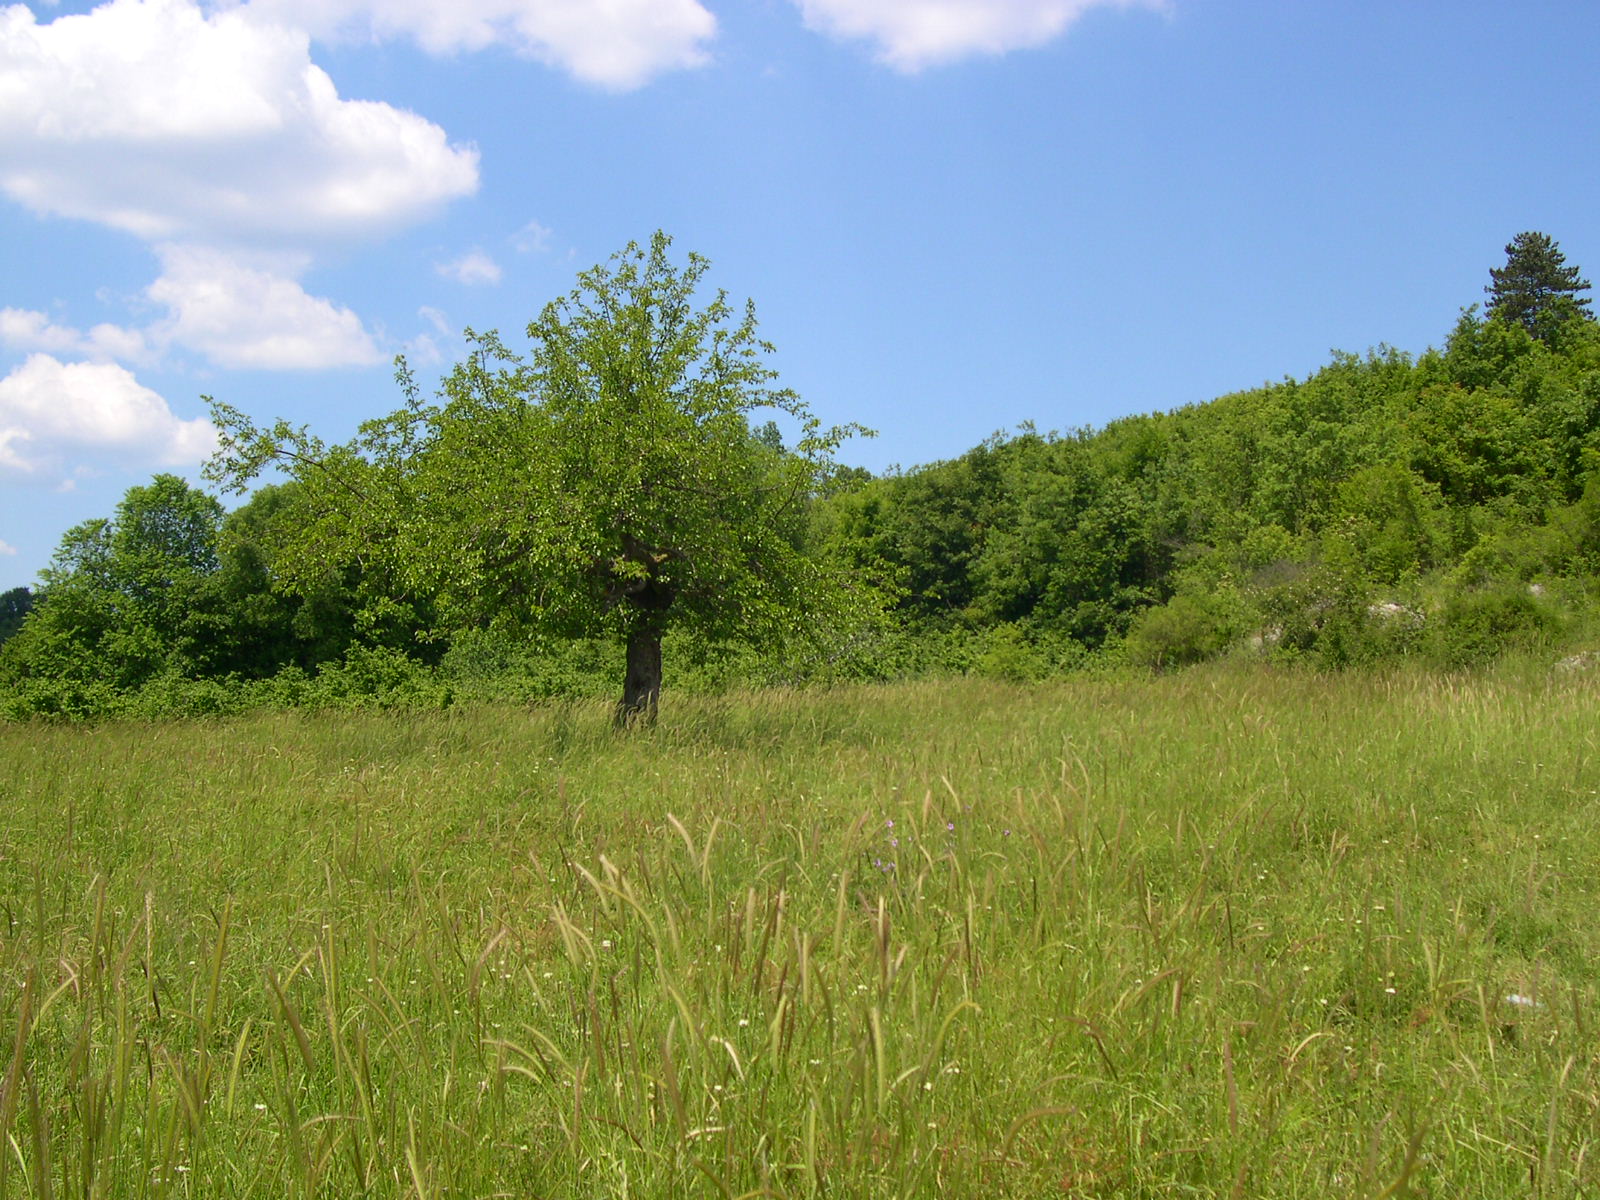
[953, 215]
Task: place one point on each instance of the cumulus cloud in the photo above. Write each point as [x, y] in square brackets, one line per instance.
[27, 329]
[153, 117]
[24, 329]
[913, 34]
[203, 128]
[617, 44]
[233, 312]
[51, 411]
[7, 549]
[240, 314]
[471, 268]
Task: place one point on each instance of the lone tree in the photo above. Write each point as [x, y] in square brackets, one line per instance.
[606, 482]
[1536, 288]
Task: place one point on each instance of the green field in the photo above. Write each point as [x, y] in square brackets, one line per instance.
[1233, 933]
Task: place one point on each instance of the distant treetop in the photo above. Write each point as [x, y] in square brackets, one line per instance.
[1536, 288]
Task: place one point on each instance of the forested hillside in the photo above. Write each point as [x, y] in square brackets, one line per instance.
[1339, 515]
[1445, 506]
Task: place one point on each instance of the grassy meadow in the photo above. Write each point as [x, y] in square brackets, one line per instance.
[1226, 933]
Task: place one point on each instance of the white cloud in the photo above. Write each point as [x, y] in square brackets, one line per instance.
[105, 341]
[50, 411]
[236, 312]
[242, 314]
[471, 268]
[26, 329]
[913, 34]
[424, 350]
[437, 319]
[7, 549]
[152, 117]
[612, 43]
[532, 238]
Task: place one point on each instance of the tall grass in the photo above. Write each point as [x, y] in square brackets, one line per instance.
[1223, 934]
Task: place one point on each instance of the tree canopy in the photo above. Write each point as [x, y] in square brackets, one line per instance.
[1536, 289]
[117, 602]
[606, 482]
[14, 606]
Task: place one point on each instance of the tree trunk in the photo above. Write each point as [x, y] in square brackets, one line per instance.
[641, 687]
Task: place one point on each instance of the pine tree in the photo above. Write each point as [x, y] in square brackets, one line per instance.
[1536, 288]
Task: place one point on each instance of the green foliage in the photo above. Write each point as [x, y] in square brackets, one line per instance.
[1333, 503]
[1392, 520]
[608, 483]
[1536, 289]
[923, 530]
[489, 665]
[72, 693]
[1007, 655]
[116, 603]
[1478, 448]
[1187, 629]
[1478, 626]
[168, 608]
[1074, 548]
[257, 625]
[1318, 609]
[15, 605]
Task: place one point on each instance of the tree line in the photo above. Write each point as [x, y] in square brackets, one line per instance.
[617, 503]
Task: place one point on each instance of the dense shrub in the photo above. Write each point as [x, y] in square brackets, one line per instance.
[1007, 654]
[1187, 629]
[1476, 627]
